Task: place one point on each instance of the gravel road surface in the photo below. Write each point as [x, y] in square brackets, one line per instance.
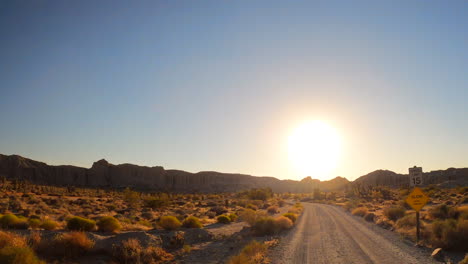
[326, 234]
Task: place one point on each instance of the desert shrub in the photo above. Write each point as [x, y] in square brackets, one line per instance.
[34, 223]
[350, 205]
[252, 207]
[450, 234]
[369, 217]
[169, 222]
[131, 197]
[252, 253]
[281, 203]
[154, 255]
[272, 209]
[439, 212]
[192, 222]
[394, 213]
[249, 216]
[15, 250]
[232, 217]
[77, 223]
[291, 216]
[465, 260]
[265, 226]
[260, 194]
[67, 245]
[49, 225]
[11, 239]
[407, 221]
[360, 211]
[283, 223]
[224, 219]
[156, 203]
[9, 221]
[109, 224]
[18, 255]
[130, 251]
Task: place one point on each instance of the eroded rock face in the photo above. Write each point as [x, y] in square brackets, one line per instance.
[105, 174]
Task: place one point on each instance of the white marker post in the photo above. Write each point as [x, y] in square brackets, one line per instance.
[416, 179]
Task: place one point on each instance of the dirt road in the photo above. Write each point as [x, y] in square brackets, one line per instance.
[326, 234]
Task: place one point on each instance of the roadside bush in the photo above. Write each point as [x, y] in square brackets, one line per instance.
[394, 213]
[155, 203]
[291, 216]
[18, 255]
[265, 226]
[109, 224]
[272, 209]
[15, 250]
[439, 212]
[252, 253]
[249, 216]
[67, 245]
[224, 219]
[169, 222]
[360, 211]
[49, 225]
[9, 221]
[283, 223]
[233, 217]
[252, 207]
[77, 223]
[369, 217]
[450, 234]
[407, 221]
[130, 251]
[192, 222]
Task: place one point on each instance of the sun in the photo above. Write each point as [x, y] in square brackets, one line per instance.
[314, 149]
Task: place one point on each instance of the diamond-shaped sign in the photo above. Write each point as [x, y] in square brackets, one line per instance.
[417, 199]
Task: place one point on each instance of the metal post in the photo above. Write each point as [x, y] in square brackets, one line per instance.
[417, 227]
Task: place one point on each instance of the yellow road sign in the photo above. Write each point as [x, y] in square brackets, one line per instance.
[417, 199]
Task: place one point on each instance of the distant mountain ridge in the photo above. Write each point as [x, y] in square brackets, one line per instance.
[107, 175]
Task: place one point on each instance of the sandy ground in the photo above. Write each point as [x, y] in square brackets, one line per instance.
[326, 234]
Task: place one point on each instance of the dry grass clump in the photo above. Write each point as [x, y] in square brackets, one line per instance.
[224, 219]
[407, 221]
[192, 222]
[15, 250]
[169, 222]
[450, 234]
[291, 216]
[360, 211]
[131, 251]
[465, 260]
[49, 225]
[12, 221]
[369, 217]
[66, 245]
[252, 253]
[269, 225]
[273, 209]
[77, 223]
[394, 213]
[109, 224]
[443, 211]
[283, 223]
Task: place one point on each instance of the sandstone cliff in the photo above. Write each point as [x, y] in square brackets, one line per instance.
[105, 174]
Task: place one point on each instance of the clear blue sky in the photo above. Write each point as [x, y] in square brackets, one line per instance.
[218, 85]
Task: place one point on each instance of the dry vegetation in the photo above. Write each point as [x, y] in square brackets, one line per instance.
[444, 220]
[46, 223]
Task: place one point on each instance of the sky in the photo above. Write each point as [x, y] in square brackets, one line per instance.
[220, 85]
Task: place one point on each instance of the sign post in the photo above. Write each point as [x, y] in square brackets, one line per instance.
[417, 198]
